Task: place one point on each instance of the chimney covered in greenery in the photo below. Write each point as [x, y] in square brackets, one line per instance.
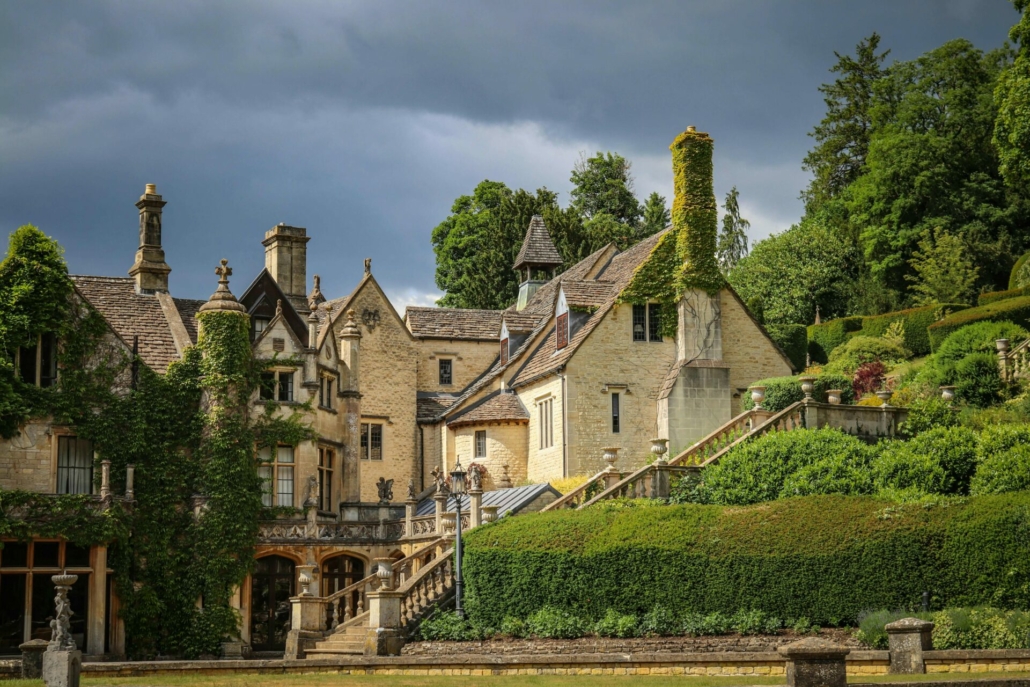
[694, 212]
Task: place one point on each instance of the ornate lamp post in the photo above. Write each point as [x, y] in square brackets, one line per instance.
[458, 490]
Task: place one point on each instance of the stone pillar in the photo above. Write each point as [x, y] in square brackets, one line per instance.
[475, 507]
[62, 661]
[32, 659]
[105, 479]
[350, 409]
[908, 638]
[409, 513]
[307, 621]
[384, 636]
[611, 474]
[1003, 358]
[660, 482]
[440, 498]
[97, 606]
[815, 662]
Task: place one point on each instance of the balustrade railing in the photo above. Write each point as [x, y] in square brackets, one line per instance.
[426, 587]
[1017, 362]
[790, 418]
[581, 494]
[717, 440]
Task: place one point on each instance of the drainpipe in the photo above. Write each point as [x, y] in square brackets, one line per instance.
[564, 422]
[421, 458]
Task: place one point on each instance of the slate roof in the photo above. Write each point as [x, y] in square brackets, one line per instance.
[507, 500]
[130, 314]
[537, 247]
[585, 293]
[429, 406]
[519, 322]
[497, 407]
[454, 323]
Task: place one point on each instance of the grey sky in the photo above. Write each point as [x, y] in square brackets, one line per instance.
[364, 120]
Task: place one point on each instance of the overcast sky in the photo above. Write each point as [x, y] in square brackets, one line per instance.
[363, 121]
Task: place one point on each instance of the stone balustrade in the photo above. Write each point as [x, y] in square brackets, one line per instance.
[1013, 362]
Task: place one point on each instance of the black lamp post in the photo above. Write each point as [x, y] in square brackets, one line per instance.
[458, 490]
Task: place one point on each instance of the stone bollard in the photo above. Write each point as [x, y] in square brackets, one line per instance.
[815, 662]
[32, 659]
[384, 636]
[908, 638]
[62, 661]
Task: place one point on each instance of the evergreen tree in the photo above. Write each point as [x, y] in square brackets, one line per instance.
[654, 216]
[943, 270]
[603, 184]
[732, 245]
[842, 137]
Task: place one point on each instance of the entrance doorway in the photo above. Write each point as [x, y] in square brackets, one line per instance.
[339, 572]
[270, 590]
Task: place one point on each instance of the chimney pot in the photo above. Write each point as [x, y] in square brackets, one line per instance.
[691, 128]
[151, 189]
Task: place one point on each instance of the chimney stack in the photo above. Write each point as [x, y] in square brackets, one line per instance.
[695, 216]
[150, 269]
[286, 259]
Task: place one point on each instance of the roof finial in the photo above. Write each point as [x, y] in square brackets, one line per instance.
[224, 272]
[368, 265]
[278, 307]
[222, 298]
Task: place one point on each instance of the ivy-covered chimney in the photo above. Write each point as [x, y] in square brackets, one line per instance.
[695, 215]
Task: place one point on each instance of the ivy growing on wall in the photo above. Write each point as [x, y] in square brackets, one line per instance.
[655, 282]
[695, 216]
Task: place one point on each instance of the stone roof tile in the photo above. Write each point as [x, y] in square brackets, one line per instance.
[497, 407]
[537, 247]
[454, 323]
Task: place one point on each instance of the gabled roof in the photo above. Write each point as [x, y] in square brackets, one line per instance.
[497, 407]
[538, 248]
[130, 314]
[454, 323]
[260, 300]
[429, 405]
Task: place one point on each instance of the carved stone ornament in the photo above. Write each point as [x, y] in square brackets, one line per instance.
[475, 478]
[412, 494]
[312, 492]
[385, 487]
[61, 637]
[370, 318]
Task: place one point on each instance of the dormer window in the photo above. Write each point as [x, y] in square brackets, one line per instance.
[277, 386]
[561, 326]
[258, 324]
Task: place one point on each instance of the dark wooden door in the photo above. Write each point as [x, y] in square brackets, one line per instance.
[270, 591]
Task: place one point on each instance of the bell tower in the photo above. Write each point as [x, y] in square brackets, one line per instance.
[150, 269]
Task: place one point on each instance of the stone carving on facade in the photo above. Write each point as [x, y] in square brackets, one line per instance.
[61, 637]
[475, 477]
[370, 318]
[412, 494]
[368, 265]
[385, 487]
[312, 493]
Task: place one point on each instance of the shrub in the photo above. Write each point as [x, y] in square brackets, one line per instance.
[864, 349]
[793, 339]
[916, 320]
[659, 622]
[1018, 274]
[1004, 471]
[555, 623]
[447, 626]
[780, 392]
[871, 626]
[823, 338]
[703, 624]
[1001, 438]
[955, 628]
[937, 461]
[1015, 310]
[995, 296]
[977, 338]
[837, 473]
[615, 624]
[820, 557]
[749, 622]
[868, 378]
[759, 469]
[514, 627]
[978, 379]
[925, 414]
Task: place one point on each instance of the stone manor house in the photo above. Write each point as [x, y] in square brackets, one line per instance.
[530, 394]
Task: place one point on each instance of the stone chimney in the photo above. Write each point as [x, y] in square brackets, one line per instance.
[150, 269]
[286, 259]
[695, 217]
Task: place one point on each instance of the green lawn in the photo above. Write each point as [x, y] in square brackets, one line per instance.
[324, 680]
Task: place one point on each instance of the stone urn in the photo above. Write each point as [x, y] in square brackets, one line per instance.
[611, 454]
[948, 394]
[758, 395]
[384, 571]
[660, 447]
[807, 386]
[833, 396]
[448, 522]
[490, 513]
[885, 396]
[305, 578]
[1002, 345]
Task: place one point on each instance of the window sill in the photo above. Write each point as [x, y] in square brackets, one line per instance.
[266, 401]
[328, 409]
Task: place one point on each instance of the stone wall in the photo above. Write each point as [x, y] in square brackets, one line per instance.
[470, 359]
[506, 444]
[609, 356]
[749, 353]
[699, 403]
[547, 463]
[27, 460]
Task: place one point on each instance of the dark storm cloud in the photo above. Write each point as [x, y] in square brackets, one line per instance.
[363, 121]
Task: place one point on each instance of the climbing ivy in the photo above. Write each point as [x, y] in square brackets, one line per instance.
[655, 281]
[694, 212]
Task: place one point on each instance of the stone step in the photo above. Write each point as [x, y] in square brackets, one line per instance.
[346, 651]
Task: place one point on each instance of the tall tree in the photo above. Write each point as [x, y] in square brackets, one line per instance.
[842, 137]
[732, 245]
[654, 216]
[943, 271]
[1012, 95]
[603, 184]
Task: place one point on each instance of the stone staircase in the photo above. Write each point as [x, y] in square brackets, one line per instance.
[346, 639]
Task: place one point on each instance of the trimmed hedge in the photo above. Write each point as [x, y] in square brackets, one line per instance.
[995, 296]
[1014, 275]
[825, 558]
[1015, 310]
[793, 339]
[780, 392]
[823, 338]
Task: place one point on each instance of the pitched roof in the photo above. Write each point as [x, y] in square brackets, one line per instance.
[130, 314]
[429, 406]
[585, 293]
[537, 247]
[188, 308]
[497, 407]
[520, 322]
[507, 500]
[454, 323]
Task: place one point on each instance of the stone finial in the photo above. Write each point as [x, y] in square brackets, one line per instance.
[278, 307]
[368, 265]
[150, 190]
[412, 494]
[350, 328]
[222, 299]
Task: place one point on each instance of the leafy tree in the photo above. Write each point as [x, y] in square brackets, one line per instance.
[602, 229]
[733, 237]
[1012, 95]
[787, 275]
[655, 216]
[931, 164]
[603, 184]
[842, 137]
[34, 289]
[944, 273]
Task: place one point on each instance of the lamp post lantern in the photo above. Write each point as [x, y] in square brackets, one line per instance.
[458, 491]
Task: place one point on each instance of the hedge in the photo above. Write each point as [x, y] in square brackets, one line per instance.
[995, 296]
[793, 339]
[825, 558]
[916, 321]
[780, 392]
[823, 338]
[1014, 275]
[1015, 310]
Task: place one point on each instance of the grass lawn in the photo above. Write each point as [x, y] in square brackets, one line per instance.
[324, 680]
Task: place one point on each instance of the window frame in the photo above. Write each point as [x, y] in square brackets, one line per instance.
[545, 420]
[504, 351]
[561, 331]
[326, 468]
[89, 470]
[43, 341]
[325, 391]
[479, 450]
[647, 315]
[447, 363]
[616, 413]
[274, 393]
[277, 471]
[367, 441]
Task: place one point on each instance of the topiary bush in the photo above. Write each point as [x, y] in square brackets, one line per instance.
[845, 359]
[823, 338]
[995, 296]
[978, 380]
[824, 558]
[793, 339]
[1002, 472]
[1016, 310]
[978, 338]
[916, 320]
[1019, 276]
[839, 473]
[780, 392]
[937, 461]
